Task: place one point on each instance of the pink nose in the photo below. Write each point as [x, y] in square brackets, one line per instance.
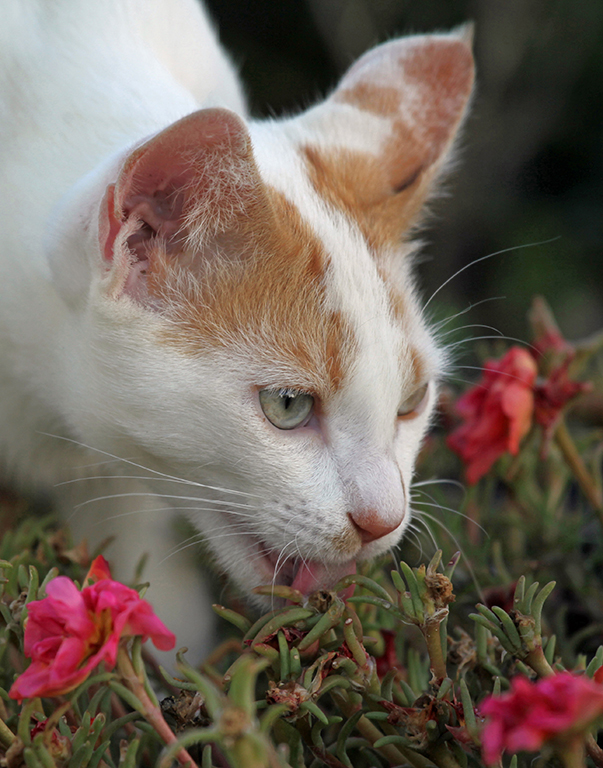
[371, 526]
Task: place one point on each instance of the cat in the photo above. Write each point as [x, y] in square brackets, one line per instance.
[210, 316]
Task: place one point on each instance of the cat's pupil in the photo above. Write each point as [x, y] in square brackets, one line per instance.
[286, 410]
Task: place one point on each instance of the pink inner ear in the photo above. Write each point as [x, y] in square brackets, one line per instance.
[165, 181]
[159, 178]
[109, 226]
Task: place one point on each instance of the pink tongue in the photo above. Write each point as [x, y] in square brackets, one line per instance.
[312, 576]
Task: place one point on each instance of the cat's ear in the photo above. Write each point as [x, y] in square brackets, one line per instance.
[390, 125]
[185, 184]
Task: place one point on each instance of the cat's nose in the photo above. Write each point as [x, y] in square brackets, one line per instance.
[372, 526]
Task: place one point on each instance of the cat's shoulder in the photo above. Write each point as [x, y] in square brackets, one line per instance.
[178, 34]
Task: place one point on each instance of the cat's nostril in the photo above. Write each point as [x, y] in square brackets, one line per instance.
[372, 526]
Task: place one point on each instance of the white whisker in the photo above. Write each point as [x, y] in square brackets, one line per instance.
[200, 540]
[446, 320]
[523, 342]
[498, 373]
[437, 505]
[419, 518]
[181, 481]
[483, 258]
[96, 464]
[154, 472]
[146, 510]
[299, 552]
[162, 496]
[472, 325]
[437, 481]
[413, 534]
[277, 569]
[469, 382]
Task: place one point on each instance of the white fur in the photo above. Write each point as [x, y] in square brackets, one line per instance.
[84, 381]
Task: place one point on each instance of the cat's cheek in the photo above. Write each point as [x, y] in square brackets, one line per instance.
[410, 433]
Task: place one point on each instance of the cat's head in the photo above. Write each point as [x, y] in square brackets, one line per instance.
[250, 323]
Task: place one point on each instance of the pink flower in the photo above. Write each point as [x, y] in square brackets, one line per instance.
[69, 632]
[497, 412]
[553, 709]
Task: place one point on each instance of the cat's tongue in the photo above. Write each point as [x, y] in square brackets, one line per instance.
[312, 576]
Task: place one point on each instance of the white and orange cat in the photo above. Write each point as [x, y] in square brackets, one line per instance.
[217, 310]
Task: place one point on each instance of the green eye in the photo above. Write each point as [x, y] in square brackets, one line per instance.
[413, 405]
[286, 408]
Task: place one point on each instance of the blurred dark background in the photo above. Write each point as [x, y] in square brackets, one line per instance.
[531, 164]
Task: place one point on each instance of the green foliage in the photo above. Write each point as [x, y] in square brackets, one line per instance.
[304, 689]
[393, 675]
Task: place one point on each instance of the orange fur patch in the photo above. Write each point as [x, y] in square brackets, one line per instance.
[384, 193]
[358, 185]
[449, 70]
[267, 298]
[380, 100]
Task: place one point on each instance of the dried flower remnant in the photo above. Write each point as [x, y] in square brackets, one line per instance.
[557, 709]
[58, 746]
[497, 412]
[68, 633]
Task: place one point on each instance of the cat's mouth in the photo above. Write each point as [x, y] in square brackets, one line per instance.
[306, 576]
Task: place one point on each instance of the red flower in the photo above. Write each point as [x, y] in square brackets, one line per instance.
[555, 354]
[69, 633]
[553, 394]
[497, 412]
[551, 342]
[98, 570]
[556, 708]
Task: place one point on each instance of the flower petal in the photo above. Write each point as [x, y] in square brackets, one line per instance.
[69, 632]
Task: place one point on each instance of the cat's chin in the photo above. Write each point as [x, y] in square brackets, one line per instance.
[306, 576]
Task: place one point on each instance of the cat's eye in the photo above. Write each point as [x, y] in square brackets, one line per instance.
[286, 408]
[413, 405]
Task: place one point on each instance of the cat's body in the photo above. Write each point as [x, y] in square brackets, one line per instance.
[228, 307]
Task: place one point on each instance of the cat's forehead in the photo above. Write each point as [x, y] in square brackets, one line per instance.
[304, 304]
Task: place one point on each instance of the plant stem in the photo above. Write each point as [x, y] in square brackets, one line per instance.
[442, 757]
[149, 711]
[396, 755]
[571, 754]
[6, 735]
[574, 461]
[431, 633]
[594, 751]
[537, 660]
